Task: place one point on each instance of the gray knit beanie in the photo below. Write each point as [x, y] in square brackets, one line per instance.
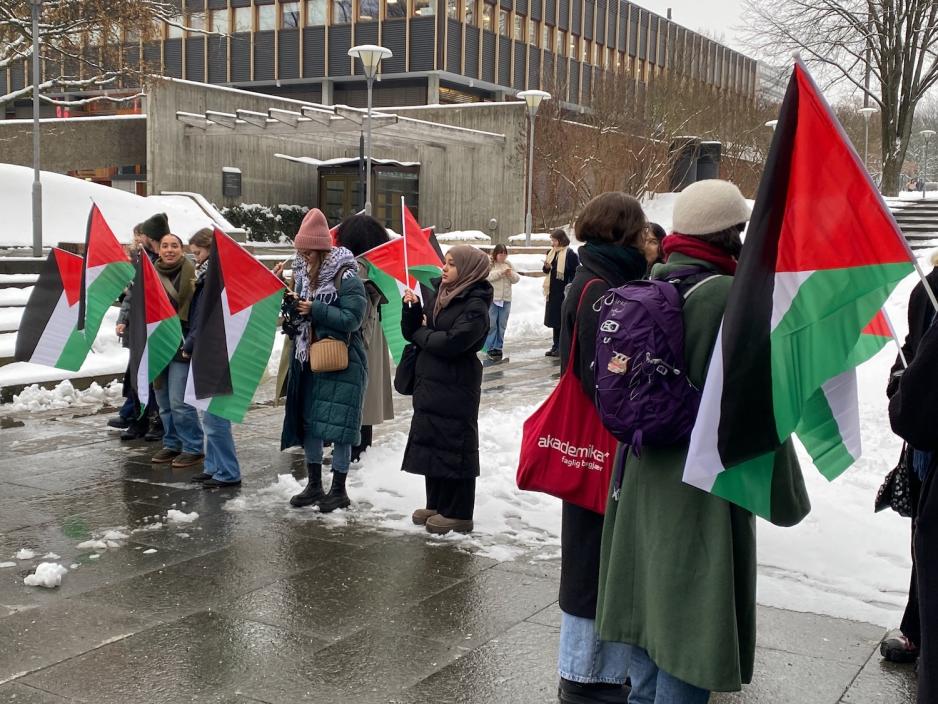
[709, 206]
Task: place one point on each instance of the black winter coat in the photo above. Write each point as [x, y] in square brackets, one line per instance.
[581, 529]
[555, 296]
[444, 432]
[921, 312]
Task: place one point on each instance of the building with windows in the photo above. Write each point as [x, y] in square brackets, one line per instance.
[444, 51]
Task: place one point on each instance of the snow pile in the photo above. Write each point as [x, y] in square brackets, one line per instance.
[4, 565]
[48, 575]
[51, 556]
[111, 538]
[15, 296]
[25, 554]
[537, 238]
[64, 395]
[177, 517]
[475, 236]
[150, 551]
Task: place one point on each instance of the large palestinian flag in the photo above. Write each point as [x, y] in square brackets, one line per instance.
[107, 271]
[385, 265]
[237, 320]
[822, 254]
[48, 332]
[155, 331]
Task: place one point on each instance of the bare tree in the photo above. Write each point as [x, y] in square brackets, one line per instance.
[884, 49]
[81, 44]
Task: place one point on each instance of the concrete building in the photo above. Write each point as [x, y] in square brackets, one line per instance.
[444, 51]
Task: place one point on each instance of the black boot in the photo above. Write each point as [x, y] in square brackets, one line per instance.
[336, 498]
[359, 449]
[313, 491]
[136, 430]
[155, 432]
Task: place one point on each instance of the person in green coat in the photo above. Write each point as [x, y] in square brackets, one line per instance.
[328, 301]
[678, 565]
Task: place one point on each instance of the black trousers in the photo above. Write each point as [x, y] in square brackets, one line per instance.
[556, 338]
[452, 498]
[911, 620]
[926, 567]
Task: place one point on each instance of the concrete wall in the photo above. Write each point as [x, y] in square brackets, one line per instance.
[461, 187]
[76, 143]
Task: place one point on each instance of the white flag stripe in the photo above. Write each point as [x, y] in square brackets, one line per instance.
[842, 397]
[143, 374]
[52, 341]
[703, 456]
[91, 274]
[787, 285]
[200, 403]
[235, 325]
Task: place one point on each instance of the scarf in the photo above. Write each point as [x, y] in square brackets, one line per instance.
[698, 249]
[179, 282]
[472, 266]
[614, 263]
[338, 264]
[561, 256]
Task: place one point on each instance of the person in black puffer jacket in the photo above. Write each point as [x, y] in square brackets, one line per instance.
[443, 445]
[612, 228]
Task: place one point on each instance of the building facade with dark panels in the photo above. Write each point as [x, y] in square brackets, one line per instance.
[444, 51]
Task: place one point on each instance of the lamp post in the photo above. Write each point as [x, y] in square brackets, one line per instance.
[370, 56]
[927, 134]
[37, 185]
[532, 99]
[867, 112]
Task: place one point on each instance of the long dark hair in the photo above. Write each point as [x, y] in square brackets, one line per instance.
[359, 233]
[498, 249]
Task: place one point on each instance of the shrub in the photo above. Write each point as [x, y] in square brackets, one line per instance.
[266, 224]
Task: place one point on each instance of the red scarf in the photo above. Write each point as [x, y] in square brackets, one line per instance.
[695, 247]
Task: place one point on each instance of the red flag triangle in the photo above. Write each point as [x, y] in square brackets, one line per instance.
[70, 272]
[103, 247]
[247, 281]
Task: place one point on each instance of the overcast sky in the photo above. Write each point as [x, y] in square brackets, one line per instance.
[717, 17]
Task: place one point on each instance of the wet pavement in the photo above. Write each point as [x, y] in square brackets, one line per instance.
[264, 607]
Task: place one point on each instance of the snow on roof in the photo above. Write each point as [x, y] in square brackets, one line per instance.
[67, 200]
[342, 161]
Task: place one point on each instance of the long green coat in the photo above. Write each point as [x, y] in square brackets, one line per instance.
[678, 565]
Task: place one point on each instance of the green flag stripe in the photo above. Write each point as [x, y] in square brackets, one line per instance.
[102, 292]
[820, 433]
[74, 352]
[162, 345]
[390, 311]
[748, 485]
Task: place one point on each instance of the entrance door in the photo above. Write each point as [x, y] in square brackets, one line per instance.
[339, 195]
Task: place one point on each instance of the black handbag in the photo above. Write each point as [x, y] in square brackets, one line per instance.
[897, 491]
[406, 373]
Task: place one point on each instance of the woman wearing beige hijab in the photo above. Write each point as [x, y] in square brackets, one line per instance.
[448, 330]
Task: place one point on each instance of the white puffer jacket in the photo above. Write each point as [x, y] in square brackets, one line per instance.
[503, 277]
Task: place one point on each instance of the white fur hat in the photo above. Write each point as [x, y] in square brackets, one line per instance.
[709, 206]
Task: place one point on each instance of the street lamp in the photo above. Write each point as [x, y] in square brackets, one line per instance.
[532, 99]
[370, 56]
[927, 134]
[867, 112]
[37, 185]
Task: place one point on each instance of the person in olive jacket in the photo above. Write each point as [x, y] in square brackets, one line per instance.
[449, 329]
[331, 303]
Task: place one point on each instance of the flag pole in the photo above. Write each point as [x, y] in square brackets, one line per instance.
[918, 267]
[404, 235]
[895, 337]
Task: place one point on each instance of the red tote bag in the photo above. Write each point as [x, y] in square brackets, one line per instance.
[566, 451]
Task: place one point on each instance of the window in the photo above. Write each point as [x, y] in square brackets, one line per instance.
[218, 21]
[173, 31]
[195, 21]
[487, 18]
[560, 43]
[469, 12]
[289, 15]
[395, 8]
[532, 32]
[546, 35]
[503, 25]
[317, 13]
[572, 48]
[452, 9]
[423, 8]
[518, 27]
[618, 62]
[585, 48]
[595, 54]
[368, 9]
[242, 19]
[341, 11]
[266, 17]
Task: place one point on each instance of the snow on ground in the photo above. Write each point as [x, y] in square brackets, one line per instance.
[47, 574]
[4, 565]
[176, 516]
[15, 296]
[474, 236]
[10, 318]
[25, 554]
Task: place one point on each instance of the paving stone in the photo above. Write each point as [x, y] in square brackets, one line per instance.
[881, 682]
[204, 657]
[547, 617]
[422, 556]
[16, 693]
[519, 666]
[817, 636]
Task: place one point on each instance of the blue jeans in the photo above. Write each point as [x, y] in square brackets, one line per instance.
[498, 321]
[585, 658]
[128, 411]
[181, 428]
[653, 686]
[221, 461]
[341, 454]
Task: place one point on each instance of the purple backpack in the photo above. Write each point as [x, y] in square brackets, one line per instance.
[642, 391]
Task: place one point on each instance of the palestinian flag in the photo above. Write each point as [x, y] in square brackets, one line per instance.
[822, 255]
[48, 331]
[385, 265]
[237, 320]
[155, 331]
[107, 271]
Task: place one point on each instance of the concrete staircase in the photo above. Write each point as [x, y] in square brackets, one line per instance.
[918, 220]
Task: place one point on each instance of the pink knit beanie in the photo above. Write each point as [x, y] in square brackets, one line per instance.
[313, 232]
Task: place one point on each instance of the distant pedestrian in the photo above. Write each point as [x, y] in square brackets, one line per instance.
[328, 302]
[448, 329]
[502, 277]
[360, 233]
[612, 230]
[560, 266]
[221, 459]
[654, 234]
[183, 440]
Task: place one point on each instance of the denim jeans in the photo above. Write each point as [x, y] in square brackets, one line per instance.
[221, 460]
[653, 686]
[585, 658]
[128, 411]
[341, 454]
[181, 428]
[498, 322]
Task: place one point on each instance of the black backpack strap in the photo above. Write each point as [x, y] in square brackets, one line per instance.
[689, 279]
